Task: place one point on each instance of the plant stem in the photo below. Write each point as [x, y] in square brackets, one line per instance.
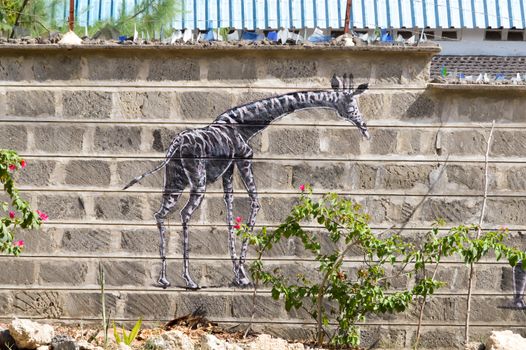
[105, 324]
[479, 230]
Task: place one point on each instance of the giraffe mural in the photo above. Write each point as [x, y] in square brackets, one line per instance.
[198, 157]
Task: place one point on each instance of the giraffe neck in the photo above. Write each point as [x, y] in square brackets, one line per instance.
[256, 116]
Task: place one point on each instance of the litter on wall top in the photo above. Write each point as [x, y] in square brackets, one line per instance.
[263, 14]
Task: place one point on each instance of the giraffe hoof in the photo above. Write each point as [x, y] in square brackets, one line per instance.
[190, 284]
[242, 282]
[163, 282]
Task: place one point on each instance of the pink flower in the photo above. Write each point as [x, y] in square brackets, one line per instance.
[302, 188]
[19, 244]
[43, 216]
[237, 226]
[12, 167]
[12, 214]
[239, 219]
[23, 163]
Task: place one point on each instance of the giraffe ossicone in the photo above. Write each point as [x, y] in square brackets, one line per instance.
[198, 157]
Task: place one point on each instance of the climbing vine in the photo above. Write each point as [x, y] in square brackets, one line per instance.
[15, 212]
[344, 293]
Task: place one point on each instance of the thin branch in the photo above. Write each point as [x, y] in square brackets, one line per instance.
[479, 231]
[24, 4]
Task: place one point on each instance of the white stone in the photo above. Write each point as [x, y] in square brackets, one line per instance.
[266, 342]
[233, 346]
[84, 345]
[211, 342]
[43, 347]
[123, 346]
[172, 340]
[29, 335]
[70, 38]
[505, 340]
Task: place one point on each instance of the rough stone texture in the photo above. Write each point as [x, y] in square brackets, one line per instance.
[211, 342]
[506, 211]
[292, 69]
[202, 105]
[13, 137]
[124, 273]
[141, 305]
[383, 141]
[386, 72]
[58, 139]
[87, 104]
[330, 176]
[516, 179]
[18, 272]
[509, 143]
[85, 240]
[128, 169]
[173, 69]
[407, 105]
[406, 176]
[63, 342]
[294, 141]
[172, 340]
[68, 273]
[139, 242]
[470, 177]
[87, 304]
[88, 173]
[464, 142]
[453, 211]
[34, 103]
[56, 67]
[229, 68]
[61, 206]
[118, 208]
[117, 139]
[29, 334]
[151, 104]
[104, 68]
[11, 68]
[505, 340]
[36, 173]
[162, 137]
[47, 304]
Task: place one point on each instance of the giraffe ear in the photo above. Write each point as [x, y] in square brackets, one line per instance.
[337, 83]
[360, 89]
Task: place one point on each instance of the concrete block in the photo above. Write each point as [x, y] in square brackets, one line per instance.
[125, 273]
[405, 176]
[36, 173]
[231, 68]
[120, 207]
[88, 173]
[508, 211]
[329, 176]
[452, 211]
[283, 68]
[57, 272]
[88, 304]
[406, 105]
[113, 68]
[204, 241]
[128, 169]
[41, 241]
[487, 278]
[12, 68]
[138, 242]
[469, 107]
[5, 301]
[46, 304]
[374, 105]
[62, 206]
[383, 141]
[516, 178]
[251, 96]
[416, 142]
[144, 105]
[18, 272]
[56, 67]
[174, 69]
[58, 139]
[269, 175]
[32, 103]
[117, 139]
[80, 240]
[202, 105]
[342, 141]
[294, 141]
[363, 176]
[466, 176]
[510, 143]
[385, 72]
[162, 138]
[151, 305]
[441, 338]
[464, 142]
[13, 137]
[87, 104]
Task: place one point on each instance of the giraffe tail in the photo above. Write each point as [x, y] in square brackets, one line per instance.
[169, 155]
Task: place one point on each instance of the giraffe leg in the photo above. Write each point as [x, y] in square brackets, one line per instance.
[168, 204]
[196, 174]
[247, 175]
[519, 284]
[229, 198]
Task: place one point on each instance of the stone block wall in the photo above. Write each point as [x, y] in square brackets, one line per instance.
[88, 120]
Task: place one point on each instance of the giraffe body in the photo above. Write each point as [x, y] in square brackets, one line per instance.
[198, 157]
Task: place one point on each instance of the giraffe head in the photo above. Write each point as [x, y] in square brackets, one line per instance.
[347, 106]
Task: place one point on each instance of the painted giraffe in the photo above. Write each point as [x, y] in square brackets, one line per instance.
[198, 157]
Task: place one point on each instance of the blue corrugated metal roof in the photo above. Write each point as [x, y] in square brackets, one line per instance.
[262, 14]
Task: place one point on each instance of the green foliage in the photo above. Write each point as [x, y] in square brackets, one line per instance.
[127, 338]
[34, 16]
[17, 213]
[353, 296]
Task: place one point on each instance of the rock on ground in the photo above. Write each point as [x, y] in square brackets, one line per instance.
[123, 346]
[63, 342]
[266, 342]
[172, 340]
[29, 335]
[505, 340]
[211, 342]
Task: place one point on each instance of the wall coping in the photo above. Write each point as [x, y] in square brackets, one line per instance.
[478, 88]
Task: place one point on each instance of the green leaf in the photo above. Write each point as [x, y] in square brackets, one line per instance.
[115, 334]
[135, 330]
